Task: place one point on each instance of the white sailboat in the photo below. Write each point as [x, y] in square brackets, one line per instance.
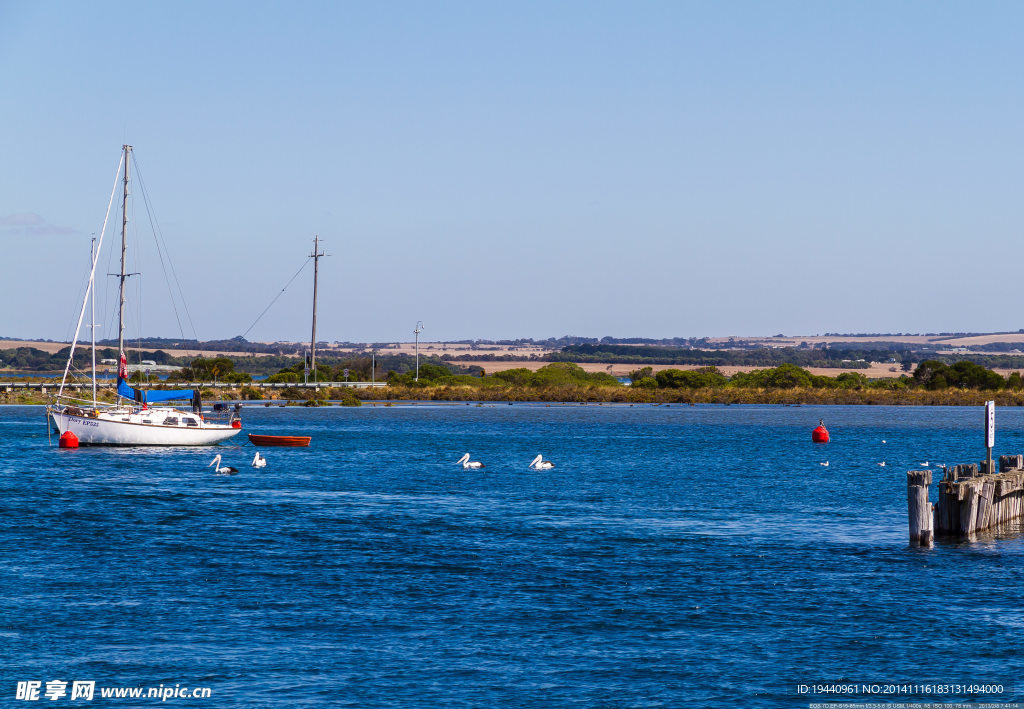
[131, 421]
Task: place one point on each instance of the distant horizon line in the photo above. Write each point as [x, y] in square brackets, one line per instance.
[509, 340]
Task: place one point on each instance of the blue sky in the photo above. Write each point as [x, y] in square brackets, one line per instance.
[520, 169]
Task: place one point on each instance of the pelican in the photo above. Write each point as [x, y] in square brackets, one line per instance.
[467, 463]
[227, 470]
[825, 464]
[259, 461]
[539, 463]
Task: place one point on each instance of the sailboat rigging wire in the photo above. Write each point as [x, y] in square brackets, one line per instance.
[137, 300]
[303, 266]
[159, 251]
[92, 281]
[106, 294]
[111, 324]
[158, 237]
[83, 287]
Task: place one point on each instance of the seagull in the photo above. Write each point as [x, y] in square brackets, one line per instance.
[539, 463]
[227, 470]
[259, 461]
[467, 463]
[924, 464]
[882, 464]
[825, 464]
[883, 440]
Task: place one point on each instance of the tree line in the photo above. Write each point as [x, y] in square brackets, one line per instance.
[762, 356]
[930, 375]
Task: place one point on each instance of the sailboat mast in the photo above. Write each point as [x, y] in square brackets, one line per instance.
[124, 233]
[92, 324]
[316, 272]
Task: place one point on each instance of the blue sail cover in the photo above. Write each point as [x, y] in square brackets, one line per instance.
[152, 396]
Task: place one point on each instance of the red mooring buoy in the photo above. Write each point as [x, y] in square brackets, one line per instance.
[68, 440]
[820, 434]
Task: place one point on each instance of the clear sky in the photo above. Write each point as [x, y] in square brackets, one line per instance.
[521, 169]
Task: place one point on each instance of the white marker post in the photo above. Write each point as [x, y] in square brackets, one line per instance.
[990, 434]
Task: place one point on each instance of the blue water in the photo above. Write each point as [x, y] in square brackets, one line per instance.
[676, 556]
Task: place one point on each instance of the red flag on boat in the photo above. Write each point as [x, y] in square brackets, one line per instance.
[122, 370]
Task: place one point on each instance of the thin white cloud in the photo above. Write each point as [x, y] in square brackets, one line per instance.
[31, 224]
[23, 219]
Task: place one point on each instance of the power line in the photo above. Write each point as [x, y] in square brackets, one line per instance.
[301, 268]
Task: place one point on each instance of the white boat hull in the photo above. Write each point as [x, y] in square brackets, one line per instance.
[106, 432]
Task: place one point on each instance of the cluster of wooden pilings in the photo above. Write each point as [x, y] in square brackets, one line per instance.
[969, 501]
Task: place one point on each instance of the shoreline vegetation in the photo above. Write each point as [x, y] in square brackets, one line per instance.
[933, 383]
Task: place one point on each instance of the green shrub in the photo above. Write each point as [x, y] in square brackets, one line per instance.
[785, 376]
[516, 377]
[934, 375]
[643, 373]
[236, 378]
[851, 380]
[283, 377]
[690, 378]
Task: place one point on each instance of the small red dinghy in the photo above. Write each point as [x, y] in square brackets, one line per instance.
[292, 441]
[818, 435]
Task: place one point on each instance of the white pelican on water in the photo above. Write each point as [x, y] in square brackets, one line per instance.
[259, 461]
[467, 463]
[227, 470]
[539, 463]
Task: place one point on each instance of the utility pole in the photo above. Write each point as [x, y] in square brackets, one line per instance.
[417, 331]
[316, 271]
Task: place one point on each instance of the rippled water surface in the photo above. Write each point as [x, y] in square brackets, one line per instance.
[676, 556]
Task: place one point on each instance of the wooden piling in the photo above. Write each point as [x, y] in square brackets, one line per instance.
[919, 510]
[969, 510]
[965, 470]
[1010, 462]
[971, 501]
